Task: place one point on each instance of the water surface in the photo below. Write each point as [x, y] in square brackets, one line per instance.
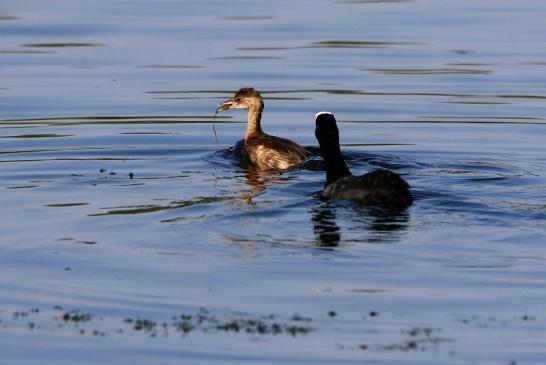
[129, 233]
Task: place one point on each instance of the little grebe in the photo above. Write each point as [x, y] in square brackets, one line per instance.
[380, 187]
[263, 151]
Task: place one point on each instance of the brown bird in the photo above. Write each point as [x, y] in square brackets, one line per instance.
[380, 187]
[261, 150]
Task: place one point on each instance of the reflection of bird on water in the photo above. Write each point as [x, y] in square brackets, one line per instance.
[324, 226]
[383, 225]
[256, 183]
[380, 187]
[261, 150]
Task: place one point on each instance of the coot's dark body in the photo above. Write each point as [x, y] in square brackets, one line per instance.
[380, 187]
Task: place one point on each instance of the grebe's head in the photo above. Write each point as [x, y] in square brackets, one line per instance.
[326, 129]
[245, 98]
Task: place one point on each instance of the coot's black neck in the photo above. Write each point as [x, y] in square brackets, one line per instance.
[333, 161]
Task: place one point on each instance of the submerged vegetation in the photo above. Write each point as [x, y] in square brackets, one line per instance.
[217, 323]
[202, 320]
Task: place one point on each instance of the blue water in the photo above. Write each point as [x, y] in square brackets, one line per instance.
[129, 235]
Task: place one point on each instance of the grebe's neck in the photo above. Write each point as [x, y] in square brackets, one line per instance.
[254, 117]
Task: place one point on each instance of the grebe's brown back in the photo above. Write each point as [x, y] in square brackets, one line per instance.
[262, 150]
[380, 187]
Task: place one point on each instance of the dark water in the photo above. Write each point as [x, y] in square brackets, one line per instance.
[129, 235]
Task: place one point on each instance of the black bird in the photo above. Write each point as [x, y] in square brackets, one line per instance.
[379, 188]
[263, 151]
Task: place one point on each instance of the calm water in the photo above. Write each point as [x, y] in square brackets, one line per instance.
[130, 236]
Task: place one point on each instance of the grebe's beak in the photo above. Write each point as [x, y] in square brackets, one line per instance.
[226, 105]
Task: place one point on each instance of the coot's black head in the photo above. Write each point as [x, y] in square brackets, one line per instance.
[328, 138]
[326, 129]
[245, 98]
